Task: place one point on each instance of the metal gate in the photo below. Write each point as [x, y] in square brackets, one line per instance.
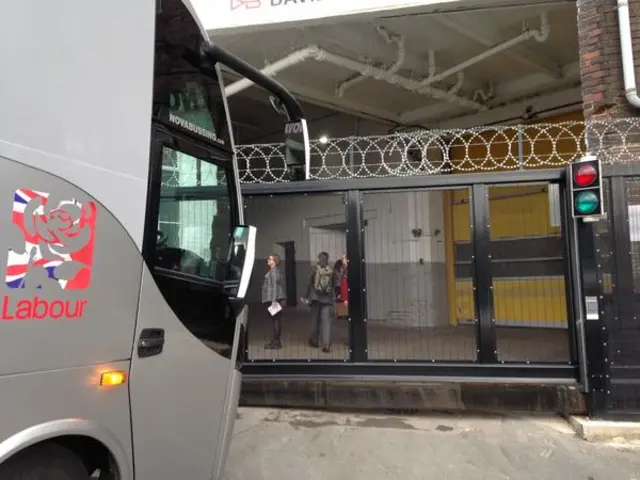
[611, 273]
[511, 320]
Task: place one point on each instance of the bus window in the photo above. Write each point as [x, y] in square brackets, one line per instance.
[189, 102]
[189, 98]
[193, 230]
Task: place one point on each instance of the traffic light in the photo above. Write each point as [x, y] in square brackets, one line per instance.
[586, 188]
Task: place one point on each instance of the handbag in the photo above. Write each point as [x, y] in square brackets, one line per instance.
[342, 310]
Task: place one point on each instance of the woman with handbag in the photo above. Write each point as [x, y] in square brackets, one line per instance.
[341, 268]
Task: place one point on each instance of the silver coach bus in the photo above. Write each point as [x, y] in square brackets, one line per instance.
[124, 256]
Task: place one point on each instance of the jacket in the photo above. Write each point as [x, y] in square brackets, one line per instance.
[342, 287]
[273, 286]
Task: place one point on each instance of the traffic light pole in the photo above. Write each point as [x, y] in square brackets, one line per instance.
[587, 206]
[594, 326]
[575, 306]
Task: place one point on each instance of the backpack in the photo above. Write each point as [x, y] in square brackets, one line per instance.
[323, 280]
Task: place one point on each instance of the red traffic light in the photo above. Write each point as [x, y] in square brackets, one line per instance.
[585, 175]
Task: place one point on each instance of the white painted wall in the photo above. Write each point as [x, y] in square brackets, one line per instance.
[334, 242]
[406, 276]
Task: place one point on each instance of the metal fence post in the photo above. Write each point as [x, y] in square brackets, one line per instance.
[482, 276]
[358, 350]
[520, 149]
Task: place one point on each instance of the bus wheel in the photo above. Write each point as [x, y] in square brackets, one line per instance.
[48, 461]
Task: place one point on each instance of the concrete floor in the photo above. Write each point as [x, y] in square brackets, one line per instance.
[396, 343]
[291, 444]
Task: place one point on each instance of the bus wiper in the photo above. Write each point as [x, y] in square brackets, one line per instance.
[215, 53]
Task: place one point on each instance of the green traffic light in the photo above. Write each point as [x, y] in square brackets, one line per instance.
[586, 202]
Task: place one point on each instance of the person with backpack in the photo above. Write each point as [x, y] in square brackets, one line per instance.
[321, 297]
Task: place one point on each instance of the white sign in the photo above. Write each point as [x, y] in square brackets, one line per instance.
[294, 127]
[226, 15]
[591, 308]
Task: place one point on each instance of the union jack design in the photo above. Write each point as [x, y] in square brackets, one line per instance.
[58, 241]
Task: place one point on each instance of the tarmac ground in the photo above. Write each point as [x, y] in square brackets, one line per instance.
[273, 444]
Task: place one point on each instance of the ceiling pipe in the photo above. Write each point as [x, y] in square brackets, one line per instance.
[274, 68]
[626, 48]
[541, 35]
[389, 39]
[318, 54]
[432, 63]
[456, 88]
[484, 96]
[406, 83]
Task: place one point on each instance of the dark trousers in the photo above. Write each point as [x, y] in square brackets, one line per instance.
[276, 324]
[321, 319]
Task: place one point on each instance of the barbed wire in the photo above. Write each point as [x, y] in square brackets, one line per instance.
[433, 152]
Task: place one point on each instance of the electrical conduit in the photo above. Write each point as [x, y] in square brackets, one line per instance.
[626, 49]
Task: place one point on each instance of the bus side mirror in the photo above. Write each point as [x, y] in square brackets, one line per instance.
[242, 255]
[297, 149]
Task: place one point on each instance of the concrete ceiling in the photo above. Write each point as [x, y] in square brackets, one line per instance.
[542, 75]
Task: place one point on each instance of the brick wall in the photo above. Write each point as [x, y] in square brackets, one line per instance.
[600, 58]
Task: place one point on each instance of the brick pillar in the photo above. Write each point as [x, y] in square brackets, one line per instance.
[600, 58]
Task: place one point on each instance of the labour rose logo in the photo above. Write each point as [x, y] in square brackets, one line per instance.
[54, 247]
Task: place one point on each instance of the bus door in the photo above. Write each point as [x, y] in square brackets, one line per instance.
[182, 354]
